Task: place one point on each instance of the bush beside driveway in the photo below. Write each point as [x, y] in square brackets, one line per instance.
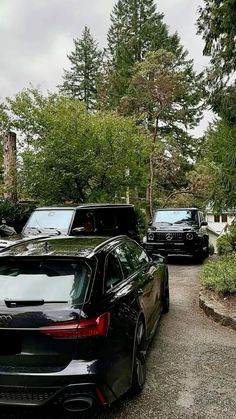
[218, 295]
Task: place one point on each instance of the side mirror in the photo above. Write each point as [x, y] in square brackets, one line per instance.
[204, 223]
[158, 258]
[77, 230]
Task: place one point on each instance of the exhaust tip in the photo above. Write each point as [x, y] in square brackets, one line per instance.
[78, 404]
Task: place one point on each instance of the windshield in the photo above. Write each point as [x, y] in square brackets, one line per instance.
[48, 280]
[58, 220]
[175, 216]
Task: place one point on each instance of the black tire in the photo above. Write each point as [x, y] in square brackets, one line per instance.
[139, 363]
[166, 299]
[199, 257]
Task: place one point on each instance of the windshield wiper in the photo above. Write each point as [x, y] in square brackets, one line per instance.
[163, 222]
[34, 228]
[54, 229]
[23, 303]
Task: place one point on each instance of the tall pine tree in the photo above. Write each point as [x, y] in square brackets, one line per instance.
[81, 80]
[136, 28]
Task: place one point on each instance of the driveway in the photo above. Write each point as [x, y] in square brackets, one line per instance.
[191, 364]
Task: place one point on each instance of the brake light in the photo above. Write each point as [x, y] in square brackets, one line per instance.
[84, 328]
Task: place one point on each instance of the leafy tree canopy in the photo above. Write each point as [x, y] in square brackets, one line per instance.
[68, 154]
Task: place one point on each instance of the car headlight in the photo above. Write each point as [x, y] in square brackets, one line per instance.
[150, 236]
[189, 236]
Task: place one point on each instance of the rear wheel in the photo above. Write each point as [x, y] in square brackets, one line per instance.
[139, 366]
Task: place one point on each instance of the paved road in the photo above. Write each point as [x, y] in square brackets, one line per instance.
[191, 364]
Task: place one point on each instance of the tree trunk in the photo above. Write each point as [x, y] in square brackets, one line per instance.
[151, 171]
[10, 172]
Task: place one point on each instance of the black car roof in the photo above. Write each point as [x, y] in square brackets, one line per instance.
[67, 246]
[85, 206]
[178, 209]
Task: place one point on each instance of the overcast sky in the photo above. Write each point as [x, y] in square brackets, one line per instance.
[37, 35]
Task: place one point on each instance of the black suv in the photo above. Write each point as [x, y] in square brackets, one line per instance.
[84, 220]
[81, 220]
[178, 231]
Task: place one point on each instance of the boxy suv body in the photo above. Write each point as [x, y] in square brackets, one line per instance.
[81, 220]
[178, 231]
[84, 220]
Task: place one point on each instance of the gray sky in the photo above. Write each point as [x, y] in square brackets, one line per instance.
[36, 36]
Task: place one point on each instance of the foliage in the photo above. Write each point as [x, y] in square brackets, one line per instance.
[136, 29]
[15, 215]
[211, 249]
[201, 183]
[220, 276]
[221, 151]
[216, 23]
[165, 99]
[227, 242]
[141, 219]
[81, 80]
[72, 155]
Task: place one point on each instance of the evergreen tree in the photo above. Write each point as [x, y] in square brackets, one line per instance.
[136, 28]
[217, 24]
[81, 80]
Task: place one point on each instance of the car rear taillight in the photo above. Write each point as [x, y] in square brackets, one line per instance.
[84, 328]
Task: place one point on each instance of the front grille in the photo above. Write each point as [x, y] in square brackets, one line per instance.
[176, 236]
[21, 395]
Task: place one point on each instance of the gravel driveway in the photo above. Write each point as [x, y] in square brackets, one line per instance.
[191, 364]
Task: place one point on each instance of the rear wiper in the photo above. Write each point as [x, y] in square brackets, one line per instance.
[23, 303]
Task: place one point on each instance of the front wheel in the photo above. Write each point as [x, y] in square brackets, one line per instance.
[139, 366]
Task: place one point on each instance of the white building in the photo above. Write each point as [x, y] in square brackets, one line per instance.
[218, 224]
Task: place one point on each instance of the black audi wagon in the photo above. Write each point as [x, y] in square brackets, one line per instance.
[76, 317]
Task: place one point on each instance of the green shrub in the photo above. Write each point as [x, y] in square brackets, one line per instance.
[220, 276]
[211, 249]
[141, 220]
[15, 215]
[226, 243]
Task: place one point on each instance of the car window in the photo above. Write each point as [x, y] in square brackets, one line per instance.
[84, 218]
[139, 255]
[127, 259]
[48, 279]
[105, 221]
[56, 219]
[126, 222]
[113, 274]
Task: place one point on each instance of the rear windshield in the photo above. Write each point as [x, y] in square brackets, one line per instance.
[48, 280]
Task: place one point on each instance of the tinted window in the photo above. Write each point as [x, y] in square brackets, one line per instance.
[114, 274]
[126, 221]
[85, 219]
[140, 257]
[105, 221]
[49, 280]
[127, 259]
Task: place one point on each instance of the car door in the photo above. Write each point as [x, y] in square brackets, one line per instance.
[150, 288]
